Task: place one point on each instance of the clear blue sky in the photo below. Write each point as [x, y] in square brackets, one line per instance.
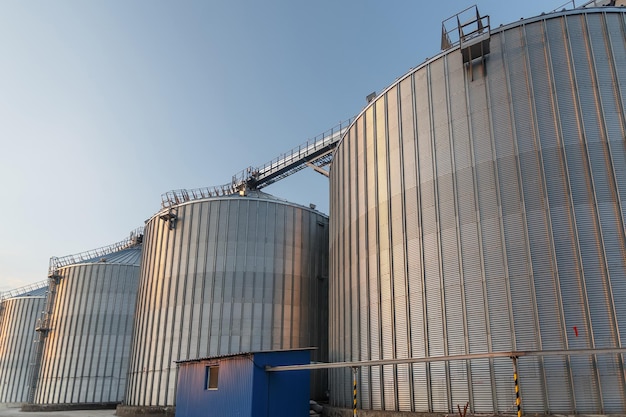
[105, 105]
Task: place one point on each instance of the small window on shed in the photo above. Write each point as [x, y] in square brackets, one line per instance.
[211, 374]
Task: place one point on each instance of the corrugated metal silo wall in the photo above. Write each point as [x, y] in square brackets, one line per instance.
[18, 318]
[86, 353]
[234, 275]
[487, 215]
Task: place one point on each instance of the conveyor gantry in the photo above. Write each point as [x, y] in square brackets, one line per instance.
[315, 153]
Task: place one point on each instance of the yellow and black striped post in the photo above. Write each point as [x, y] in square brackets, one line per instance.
[354, 372]
[518, 400]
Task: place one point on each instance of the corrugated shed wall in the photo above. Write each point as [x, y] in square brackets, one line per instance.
[487, 215]
[235, 274]
[86, 353]
[18, 317]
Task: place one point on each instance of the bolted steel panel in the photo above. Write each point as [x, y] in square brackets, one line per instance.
[85, 354]
[18, 318]
[234, 274]
[480, 208]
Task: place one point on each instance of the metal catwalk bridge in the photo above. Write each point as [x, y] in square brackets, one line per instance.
[315, 153]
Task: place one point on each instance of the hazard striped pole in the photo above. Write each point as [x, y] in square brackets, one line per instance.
[354, 371]
[518, 400]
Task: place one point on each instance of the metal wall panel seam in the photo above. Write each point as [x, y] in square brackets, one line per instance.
[479, 234]
[444, 312]
[255, 273]
[204, 303]
[388, 261]
[572, 214]
[352, 305]
[602, 126]
[621, 114]
[470, 391]
[217, 209]
[345, 333]
[129, 330]
[244, 277]
[118, 345]
[613, 179]
[119, 294]
[172, 349]
[503, 254]
[582, 130]
[154, 387]
[505, 261]
[520, 192]
[197, 304]
[561, 153]
[146, 371]
[531, 100]
[101, 303]
[581, 123]
[363, 281]
[99, 314]
[410, 387]
[438, 227]
[425, 327]
[403, 268]
[236, 205]
[599, 228]
[392, 276]
[345, 294]
[159, 321]
[376, 198]
[367, 254]
[80, 305]
[226, 220]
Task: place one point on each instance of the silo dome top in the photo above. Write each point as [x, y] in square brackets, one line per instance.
[126, 252]
[128, 256]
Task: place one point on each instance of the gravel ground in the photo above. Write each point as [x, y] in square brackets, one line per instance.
[17, 412]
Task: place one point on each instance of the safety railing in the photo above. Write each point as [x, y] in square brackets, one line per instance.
[22, 290]
[133, 239]
[257, 177]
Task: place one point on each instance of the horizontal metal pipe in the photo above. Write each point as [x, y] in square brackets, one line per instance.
[512, 354]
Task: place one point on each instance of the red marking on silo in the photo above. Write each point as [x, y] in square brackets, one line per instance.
[576, 331]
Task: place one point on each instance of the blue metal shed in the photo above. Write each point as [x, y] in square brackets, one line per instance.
[238, 385]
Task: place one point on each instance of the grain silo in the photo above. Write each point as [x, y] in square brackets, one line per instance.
[85, 330]
[223, 275]
[19, 311]
[478, 207]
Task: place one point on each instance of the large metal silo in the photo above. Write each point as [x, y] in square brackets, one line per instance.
[87, 326]
[19, 311]
[479, 207]
[224, 275]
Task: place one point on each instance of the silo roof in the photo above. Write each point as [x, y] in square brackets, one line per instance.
[128, 256]
[37, 292]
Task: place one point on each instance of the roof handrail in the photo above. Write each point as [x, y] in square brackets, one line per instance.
[255, 177]
[135, 238]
